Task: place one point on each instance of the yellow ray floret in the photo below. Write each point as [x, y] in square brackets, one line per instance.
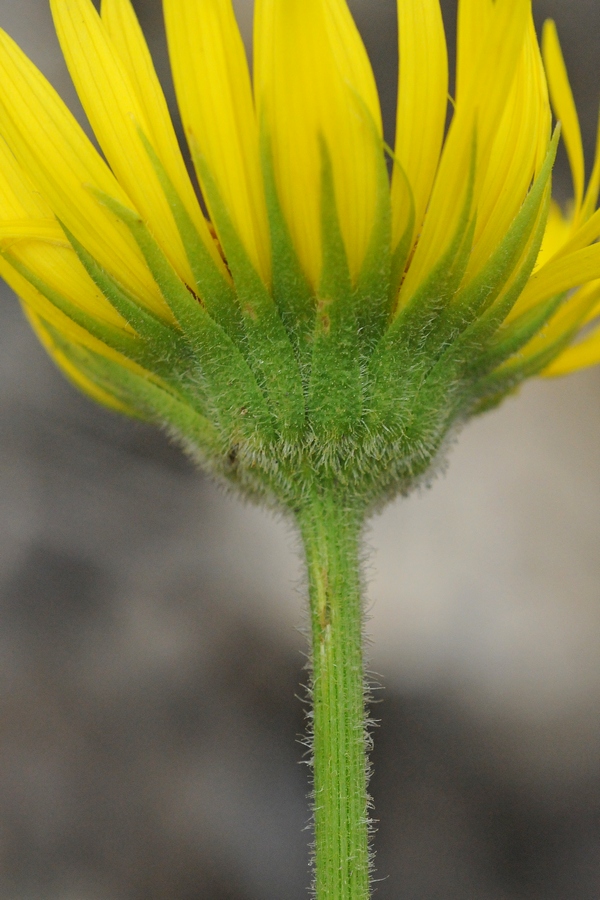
[215, 98]
[80, 380]
[62, 164]
[485, 90]
[569, 256]
[564, 106]
[313, 81]
[111, 102]
[129, 43]
[422, 104]
[33, 237]
[474, 17]
[516, 153]
[580, 355]
[556, 235]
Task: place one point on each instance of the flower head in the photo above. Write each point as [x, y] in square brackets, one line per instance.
[312, 309]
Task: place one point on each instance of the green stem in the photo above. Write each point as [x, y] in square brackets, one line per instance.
[331, 534]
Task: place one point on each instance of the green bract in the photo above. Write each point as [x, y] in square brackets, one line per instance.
[280, 391]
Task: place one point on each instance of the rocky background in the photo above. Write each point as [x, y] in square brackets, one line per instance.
[151, 645]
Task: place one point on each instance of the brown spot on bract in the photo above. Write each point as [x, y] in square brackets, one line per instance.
[194, 294]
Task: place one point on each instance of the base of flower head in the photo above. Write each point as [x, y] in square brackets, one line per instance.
[408, 405]
[280, 390]
[341, 386]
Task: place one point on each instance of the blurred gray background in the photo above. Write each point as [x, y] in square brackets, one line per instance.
[150, 632]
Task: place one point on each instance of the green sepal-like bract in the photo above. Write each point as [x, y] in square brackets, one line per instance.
[402, 249]
[373, 295]
[153, 331]
[143, 393]
[476, 296]
[118, 339]
[292, 293]
[237, 400]
[218, 295]
[401, 359]
[270, 352]
[475, 345]
[335, 391]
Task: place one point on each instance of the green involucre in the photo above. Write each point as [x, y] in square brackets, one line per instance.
[334, 386]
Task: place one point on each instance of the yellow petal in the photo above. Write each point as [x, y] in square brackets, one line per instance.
[472, 22]
[31, 233]
[593, 188]
[594, 312]
[41, 306]
[215, 98]
[478, 111]
[18, 197]
[581, 355]
[556, 235]
[422, 104]
[570, 317]
[73, 374]
[564, 107]
[313, 81]
[586, 234]
[62, 163]
[560, 274]
[128, 42]
[499, 59]
[115, 114]
[516, 154]
[13, 231]
[60, 269]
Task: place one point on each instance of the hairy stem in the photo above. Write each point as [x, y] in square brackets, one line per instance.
[331, 534]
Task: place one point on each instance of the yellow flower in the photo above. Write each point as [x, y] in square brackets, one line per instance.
[569, 246]
[311, 262]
